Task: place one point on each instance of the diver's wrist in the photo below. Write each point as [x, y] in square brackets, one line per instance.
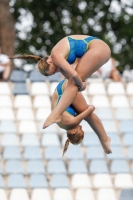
[78, 81]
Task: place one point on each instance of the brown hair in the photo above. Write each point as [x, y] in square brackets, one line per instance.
[74, 139]
[42, 64]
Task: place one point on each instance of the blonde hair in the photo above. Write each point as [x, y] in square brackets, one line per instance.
[42, 64]
[74, 139]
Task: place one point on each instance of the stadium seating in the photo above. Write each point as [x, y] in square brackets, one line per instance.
[12, 153]
[35, 76]
[126, 194]
[38, 181]
[84, 194]
[59, 181]
[20, 89]
[31, 162]
[18, 76]
[41, 194]
[32, 153]
[81, 180]
[14, 167]
[52, 153]
[21, 194]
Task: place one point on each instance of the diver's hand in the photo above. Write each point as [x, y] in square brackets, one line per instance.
[83, 87]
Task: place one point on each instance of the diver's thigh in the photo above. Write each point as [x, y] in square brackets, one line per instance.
[97, 55]
[80, 103]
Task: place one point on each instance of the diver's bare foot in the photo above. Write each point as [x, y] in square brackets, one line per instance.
[106, 145]
[51, 119]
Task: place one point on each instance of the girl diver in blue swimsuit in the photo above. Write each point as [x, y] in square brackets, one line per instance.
[73, 115]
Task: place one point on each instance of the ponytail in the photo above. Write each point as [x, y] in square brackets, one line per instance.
[65, 147]
[42, 64]
[25, 56]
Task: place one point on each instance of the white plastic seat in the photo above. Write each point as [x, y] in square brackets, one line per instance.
[90, 139]
[98, 166]
[52, 87]
[11, 153]
[94, 152]
[104, 113]
[109, 125]
[59, 181]
[53, 153]
[6, 114]
[42, 113]
[30, 140]
[96, 88]
[32, 153]
[8, 126]
[38, 181]
[74, 152]
[20, 88]
[41, 101]
[62, 194]
[123, 114]
[3, 195]
[118, 155]
[14, 167]
[16, 181]
[84, 194]
[24, 114]
[38, 88]
[56, 167]
[5, 101]
[5, 89]
[126, 194]
[77, 166]
[119, 101]
[115, 88]
[27, 127]
[22, 101]
[50, 139]
[119, 166]
[123, 181]
[81, 181]
[9, 140]
[106, 194]
[126, 126]
[100, 101]
[40, 194]
[20, 194]
[129, 88]
[35, 167]
[106, 181]
[34, 75]
[18, 76]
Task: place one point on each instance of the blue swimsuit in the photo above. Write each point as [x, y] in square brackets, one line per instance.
[59, 90]
[78, 47]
